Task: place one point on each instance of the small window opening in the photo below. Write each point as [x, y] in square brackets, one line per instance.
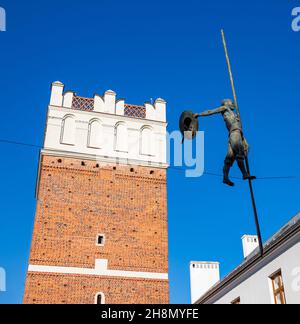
[100, 299]
[100, 240]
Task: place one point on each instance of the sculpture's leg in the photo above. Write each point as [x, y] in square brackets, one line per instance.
[246, 175]
[227, 166]
[242, 167]
[239, 149]
[226, 179]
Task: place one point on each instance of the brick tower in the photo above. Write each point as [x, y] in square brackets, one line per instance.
[100, 233]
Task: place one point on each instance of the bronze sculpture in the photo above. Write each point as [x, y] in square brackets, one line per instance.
[237, 147]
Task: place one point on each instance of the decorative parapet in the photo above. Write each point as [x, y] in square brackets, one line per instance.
[135, 111]
[106, 128]
[106, 104]
[84, 104]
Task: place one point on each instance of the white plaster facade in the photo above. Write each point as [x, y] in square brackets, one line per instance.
[106, 133]
[255, 286]
[251, 282]
[101, 269]
[250, 244]
[203, 276]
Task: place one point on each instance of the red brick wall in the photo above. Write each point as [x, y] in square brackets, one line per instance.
[77, 289]
[79, 199]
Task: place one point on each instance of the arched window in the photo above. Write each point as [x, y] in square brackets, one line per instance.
[68, 130]
[146, 141]
[100, 299]
[95, 136]
[121, 138]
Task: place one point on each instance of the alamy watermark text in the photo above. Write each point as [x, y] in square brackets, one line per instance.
[2, 20]
[296, 20]
[2, 280]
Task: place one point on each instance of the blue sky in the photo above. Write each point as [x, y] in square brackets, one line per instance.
[149, 49]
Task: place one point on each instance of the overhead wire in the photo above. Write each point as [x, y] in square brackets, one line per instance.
[181, 169]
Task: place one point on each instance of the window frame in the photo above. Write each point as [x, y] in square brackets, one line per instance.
[280, 291]
[236, 301]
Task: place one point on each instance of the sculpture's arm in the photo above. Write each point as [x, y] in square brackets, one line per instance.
[211, 112]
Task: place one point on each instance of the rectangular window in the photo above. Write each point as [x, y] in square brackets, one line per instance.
[100, 240]
[236, 301]
[278, 288]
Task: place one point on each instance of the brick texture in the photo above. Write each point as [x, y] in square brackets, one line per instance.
[79, 199]
[76, 289]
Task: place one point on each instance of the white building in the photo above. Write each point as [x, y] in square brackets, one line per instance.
[106, 128]
[271, 279]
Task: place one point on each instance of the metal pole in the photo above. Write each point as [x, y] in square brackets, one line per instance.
[261, 247]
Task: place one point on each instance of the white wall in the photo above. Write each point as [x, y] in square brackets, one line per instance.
[105, 134]
[255, 287]
[203, 276]
[250, 243]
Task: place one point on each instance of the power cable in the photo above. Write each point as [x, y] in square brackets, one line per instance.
[17, 143]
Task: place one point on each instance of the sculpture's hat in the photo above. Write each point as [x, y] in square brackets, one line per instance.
[188, 125]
